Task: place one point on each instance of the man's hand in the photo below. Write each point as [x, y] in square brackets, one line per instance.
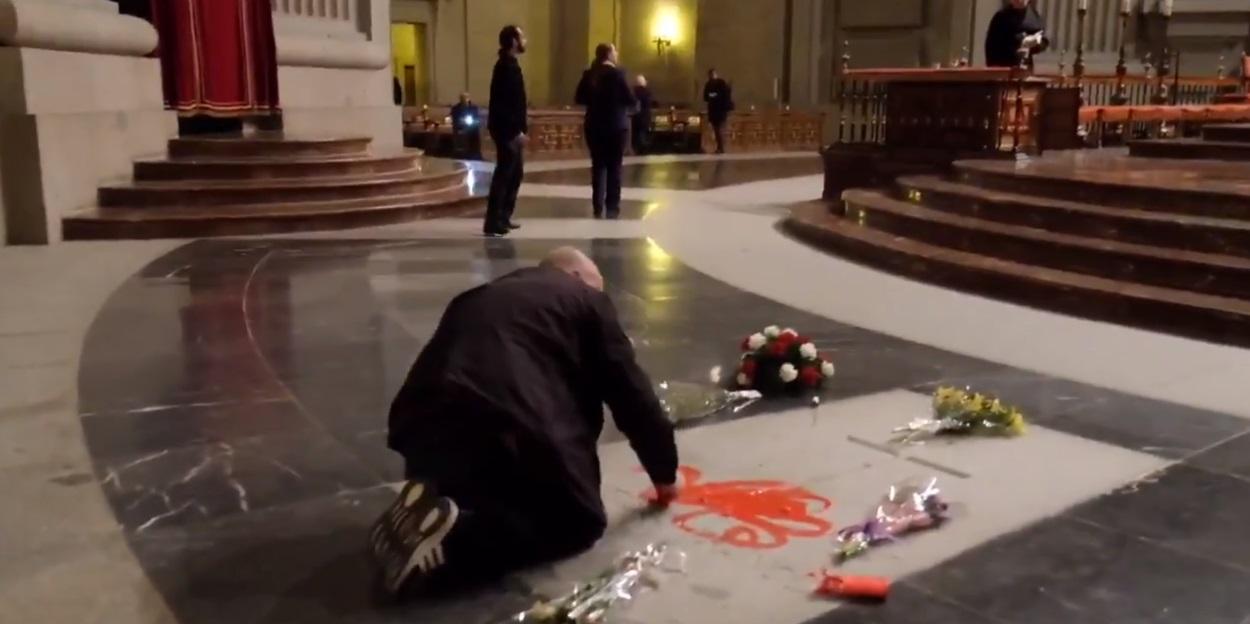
[664, 495]
[520, 141]
[1034, 40]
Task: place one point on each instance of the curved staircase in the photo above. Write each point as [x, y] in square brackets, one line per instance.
[268, 183]
[1153, 242]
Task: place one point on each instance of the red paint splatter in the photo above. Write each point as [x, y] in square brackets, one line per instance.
[763, 513]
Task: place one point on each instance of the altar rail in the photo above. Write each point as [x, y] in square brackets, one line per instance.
[1132, 104]
[557, 133]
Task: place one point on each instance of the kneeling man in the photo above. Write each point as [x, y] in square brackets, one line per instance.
[498, 423]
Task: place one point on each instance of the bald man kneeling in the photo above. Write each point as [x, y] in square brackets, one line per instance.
[498, 423]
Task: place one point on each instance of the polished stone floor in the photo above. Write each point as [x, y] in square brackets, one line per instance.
[230, 396]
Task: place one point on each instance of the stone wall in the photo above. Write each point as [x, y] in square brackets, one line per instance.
[746, 41]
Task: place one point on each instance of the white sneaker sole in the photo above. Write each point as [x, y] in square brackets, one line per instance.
[427, 540]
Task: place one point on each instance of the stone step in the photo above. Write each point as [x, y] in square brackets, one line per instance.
[1239, 133]
[268, 168]
[1146, 227]
[1197, 315]
[1217, 274]
[1204, 149]
[163, 194]
[265, 145]
[145, 223]
[1219, 193]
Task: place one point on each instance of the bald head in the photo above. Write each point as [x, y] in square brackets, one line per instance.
[572, 261]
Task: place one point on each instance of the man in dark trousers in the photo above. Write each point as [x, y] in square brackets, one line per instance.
[1017, 26]
[719, 98]
[498, 423]
[643, 117]
[507, 121]
[609, 101]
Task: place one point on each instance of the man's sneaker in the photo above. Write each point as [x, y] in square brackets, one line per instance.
[408, 538]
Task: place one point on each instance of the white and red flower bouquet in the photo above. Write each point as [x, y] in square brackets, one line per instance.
[776, 361]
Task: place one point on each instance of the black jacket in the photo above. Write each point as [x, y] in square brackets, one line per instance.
[1007, 29]
[531, 357]
[607, 97]
[719, 98]
[508, 113]
[643, 112]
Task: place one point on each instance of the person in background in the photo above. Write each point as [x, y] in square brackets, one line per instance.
[508, 123]
[498, 423]
[1016, 26]
[641, 123]
[398, 91]
[609, 101]
[465, 115]
[719, 98]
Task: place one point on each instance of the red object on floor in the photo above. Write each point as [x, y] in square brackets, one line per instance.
[839, 586]
[217, 56]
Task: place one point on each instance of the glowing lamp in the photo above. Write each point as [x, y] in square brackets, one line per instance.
[665, 28]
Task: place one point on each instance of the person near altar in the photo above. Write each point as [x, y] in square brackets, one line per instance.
[1017, 26]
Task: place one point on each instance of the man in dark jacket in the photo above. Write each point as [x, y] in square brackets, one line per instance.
[719, 98]
[1017, 26]
[609, 102]
[507, 121]
[501, 414]
[641, 123]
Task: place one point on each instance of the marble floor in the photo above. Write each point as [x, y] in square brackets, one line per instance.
[193, 431]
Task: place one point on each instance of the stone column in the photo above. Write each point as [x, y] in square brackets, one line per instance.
[79, 100]
[333, 69]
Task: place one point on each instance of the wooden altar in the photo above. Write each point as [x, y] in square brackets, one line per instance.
[898, 121]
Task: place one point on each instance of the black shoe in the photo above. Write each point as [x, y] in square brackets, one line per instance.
[614, 214]
[493, 234]
[407, 541]
[598, 215]
[512, 225]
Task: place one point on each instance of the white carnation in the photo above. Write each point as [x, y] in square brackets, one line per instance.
[743, 380]
[808, 351]
[714, 375]
[756, 341]
[827, 369]
[772, 331]
[788, 373]
[789, 331]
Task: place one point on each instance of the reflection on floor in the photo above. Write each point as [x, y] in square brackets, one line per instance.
[233, 397]
[693, 175]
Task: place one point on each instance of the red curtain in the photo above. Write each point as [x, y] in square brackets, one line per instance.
[217, 56]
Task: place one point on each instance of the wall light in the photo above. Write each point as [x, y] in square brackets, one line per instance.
[665, 27]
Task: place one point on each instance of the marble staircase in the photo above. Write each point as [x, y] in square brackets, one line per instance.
[1153, 242]
[269, 183]
[1218, 142]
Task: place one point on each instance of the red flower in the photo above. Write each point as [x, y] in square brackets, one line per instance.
[779, 347]
[810, 376]
[748, 367]
[746, 343]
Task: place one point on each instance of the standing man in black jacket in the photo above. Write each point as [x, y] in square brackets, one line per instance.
[508, 121]
[643, 116]
[501, 413]
[719, 98]
[609, 102]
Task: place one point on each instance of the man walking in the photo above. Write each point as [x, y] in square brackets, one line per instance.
[641, 124]
[498, 423]
[507, 123]
[719, 98]
[609, 101]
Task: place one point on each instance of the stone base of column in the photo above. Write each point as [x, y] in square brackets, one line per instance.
[70, 121]
[320, 101]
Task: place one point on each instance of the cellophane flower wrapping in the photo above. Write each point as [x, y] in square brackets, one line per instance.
[904, 509]
[685, 402]
[590, 602]
[963, 412]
